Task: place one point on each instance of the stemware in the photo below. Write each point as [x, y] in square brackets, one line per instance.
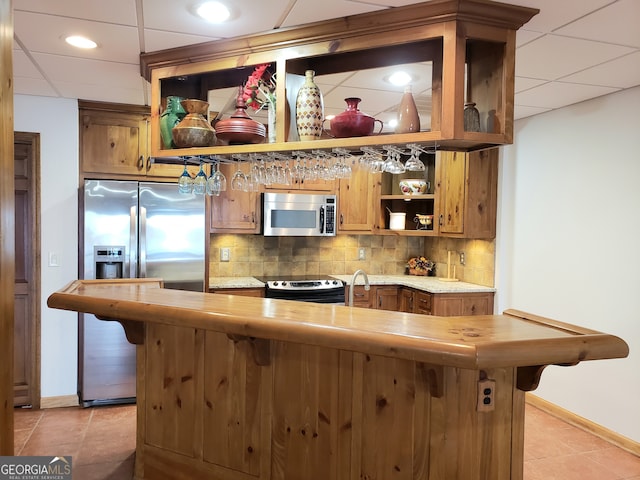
[185, 182]
[200, 182]
[239, 180]
[393, 164]
[414, 164]
[217, 182]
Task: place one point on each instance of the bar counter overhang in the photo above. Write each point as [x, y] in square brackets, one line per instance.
[233, 387]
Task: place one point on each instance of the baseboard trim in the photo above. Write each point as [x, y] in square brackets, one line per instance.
[61, 401]
[571, 418]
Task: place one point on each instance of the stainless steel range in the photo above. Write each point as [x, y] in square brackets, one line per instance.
[314, 288]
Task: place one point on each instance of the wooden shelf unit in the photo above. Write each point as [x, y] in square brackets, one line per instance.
[470, 45]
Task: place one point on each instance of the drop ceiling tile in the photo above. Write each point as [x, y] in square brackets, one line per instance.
[551, 57]
[247, 16]
[523, 83]
[33, 86]
[155, 40]
[46, 33]
[23, 66]
[525, 36]
[616, 23]
[307, 11]
[622, 72]
[523, 112]
[89, 72]
[121, 12]
[555, 13]
[559, 94]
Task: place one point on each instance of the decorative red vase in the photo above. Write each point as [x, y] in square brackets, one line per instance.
[352, 122]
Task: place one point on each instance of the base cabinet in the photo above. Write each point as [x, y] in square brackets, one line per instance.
[235, 408]
[245, 292]
[445, 304]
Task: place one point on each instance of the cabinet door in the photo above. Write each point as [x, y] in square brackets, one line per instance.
[422, 303]
[361, 297]
[452, 191]
[356, 205]
[468, 184]
[235, 211]
[387, 298]
[114, 143]
[406, 300]
[451, 304]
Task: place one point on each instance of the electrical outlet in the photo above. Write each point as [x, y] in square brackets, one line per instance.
[225, 255]
[486, 395]
[462, 259]
[361, 254]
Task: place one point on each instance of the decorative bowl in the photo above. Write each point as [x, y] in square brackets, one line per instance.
[423, 220]
[413, 186]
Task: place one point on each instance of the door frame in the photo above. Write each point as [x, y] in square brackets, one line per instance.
[35, 288]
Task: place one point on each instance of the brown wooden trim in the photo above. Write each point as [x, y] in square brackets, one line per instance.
[60, 401]
[36, 267]
[379, 22]
[587, 425]
[7, 226]
[113, 107]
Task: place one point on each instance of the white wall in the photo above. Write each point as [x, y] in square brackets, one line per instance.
[568, 244]
[56, 120]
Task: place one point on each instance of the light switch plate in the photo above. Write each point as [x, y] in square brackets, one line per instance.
[225, 254]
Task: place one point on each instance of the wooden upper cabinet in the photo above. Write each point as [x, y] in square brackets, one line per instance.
[357, 201]
[234, 211]
[465, 50]
[468, 193]
[113, 142]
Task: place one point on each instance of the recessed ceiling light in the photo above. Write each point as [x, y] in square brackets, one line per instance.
[80, 41]
[400, 78]
[214, 12]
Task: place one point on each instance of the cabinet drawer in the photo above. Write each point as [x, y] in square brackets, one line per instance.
[422, 303]
[361, 297]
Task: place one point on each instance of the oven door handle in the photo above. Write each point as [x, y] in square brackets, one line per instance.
[321, 219]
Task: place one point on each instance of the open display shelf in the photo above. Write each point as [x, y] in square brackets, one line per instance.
[463, 49]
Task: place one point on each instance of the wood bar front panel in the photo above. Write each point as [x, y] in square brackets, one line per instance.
[237, 408]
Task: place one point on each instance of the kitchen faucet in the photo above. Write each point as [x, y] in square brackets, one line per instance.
[353, 283]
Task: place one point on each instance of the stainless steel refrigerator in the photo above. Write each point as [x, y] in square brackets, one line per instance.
[133, 230]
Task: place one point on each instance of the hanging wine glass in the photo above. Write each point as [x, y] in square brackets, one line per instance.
[219, 181]
[185, 182]
[239, 180]
[393, 164]
[200, 182]
[414, 164]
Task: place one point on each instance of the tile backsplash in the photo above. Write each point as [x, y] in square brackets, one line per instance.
[256, 255]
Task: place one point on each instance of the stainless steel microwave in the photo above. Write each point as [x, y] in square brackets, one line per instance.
[299, 214]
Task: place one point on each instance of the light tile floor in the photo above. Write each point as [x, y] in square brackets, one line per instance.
[101, 441]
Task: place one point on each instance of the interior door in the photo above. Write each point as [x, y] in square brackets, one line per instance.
[27, 271]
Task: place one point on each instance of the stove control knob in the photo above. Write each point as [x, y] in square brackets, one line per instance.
[275, 284]
[335, 282]
[284, 283]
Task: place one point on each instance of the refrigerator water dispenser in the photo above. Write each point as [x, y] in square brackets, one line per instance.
[109, 261]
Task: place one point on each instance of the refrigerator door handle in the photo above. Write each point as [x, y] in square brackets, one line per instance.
[133, 243]
[143, 242]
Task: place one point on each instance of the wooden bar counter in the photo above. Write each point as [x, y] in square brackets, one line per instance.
[239, 388]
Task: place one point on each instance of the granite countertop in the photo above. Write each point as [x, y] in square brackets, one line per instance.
[427, 284]
[234, 282]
